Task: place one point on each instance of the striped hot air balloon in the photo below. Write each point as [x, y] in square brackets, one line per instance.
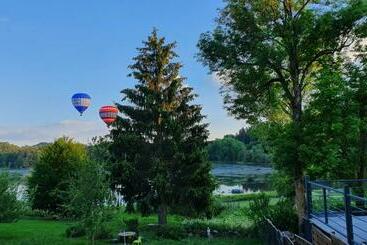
[108, 114]
[81, 102]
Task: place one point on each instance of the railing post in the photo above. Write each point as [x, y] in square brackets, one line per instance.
[348, 215]
[325, 205]
[308, 197]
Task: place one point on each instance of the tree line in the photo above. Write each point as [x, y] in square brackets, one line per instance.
[13, 156]
[239, 148]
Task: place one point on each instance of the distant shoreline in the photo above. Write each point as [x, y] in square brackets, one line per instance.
[244, 163]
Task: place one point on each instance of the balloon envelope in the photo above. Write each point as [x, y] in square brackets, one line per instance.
[108, 114]
[81, 102]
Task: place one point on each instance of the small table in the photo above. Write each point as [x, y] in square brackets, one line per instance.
[127, 237]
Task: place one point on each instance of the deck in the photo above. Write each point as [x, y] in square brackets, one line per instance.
[336, 225]
[333, 208]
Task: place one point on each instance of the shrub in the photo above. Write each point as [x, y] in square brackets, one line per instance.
[170, 232]
[220, 228]
[244, 197]
[39, 213]
[259, 209]
[282, 214]
[10, 208]
[283, 184]
[284, 217]
[75, 231]
[89, 196]
[215, 209]
[132, 224]
[103, 231]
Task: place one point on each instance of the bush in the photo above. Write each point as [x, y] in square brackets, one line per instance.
[215, 209]
[284, 217]
[283, 184]
[222, 229]
[282, 214]
[75, 231]
[38, 213]
[170, 232]
[259, 209]
[10, 207]
[132, 224]
[89, 194]
[103, 231]
[244, 197]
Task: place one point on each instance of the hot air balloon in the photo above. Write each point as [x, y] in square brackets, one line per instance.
[81, 102]
[108, 114]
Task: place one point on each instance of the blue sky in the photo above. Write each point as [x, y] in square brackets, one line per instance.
[52, 49]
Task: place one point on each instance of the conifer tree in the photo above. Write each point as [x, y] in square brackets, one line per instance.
[159, 141]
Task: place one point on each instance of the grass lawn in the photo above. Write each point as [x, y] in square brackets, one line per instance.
[37, 231]
[42, 232]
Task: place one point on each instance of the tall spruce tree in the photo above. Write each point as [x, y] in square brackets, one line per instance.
[159, 142]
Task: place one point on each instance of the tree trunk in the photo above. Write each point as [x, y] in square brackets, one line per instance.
[162, 214]
[298, 164]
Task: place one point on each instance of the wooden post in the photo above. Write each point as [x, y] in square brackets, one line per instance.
[325, 205]
[348, 215]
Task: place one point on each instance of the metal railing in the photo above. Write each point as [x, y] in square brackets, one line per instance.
[337, 208]
[273, 236]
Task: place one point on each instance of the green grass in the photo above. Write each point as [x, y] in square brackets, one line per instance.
[243, 197]
[42, 232]
[38, 231]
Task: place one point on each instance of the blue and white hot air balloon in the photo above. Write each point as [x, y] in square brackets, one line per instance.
[81, 102]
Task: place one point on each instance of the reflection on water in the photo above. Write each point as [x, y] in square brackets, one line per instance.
[232, 176]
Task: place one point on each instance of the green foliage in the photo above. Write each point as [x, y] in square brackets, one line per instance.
[10, 208]
[75, 231]
[231, 149]
[215, 209]
[282, 214]
[268, 56]
[12, 156]
[283, 184]
[244, 197]
[159, 145]
[39, 213]
[89, 196]
[227, 149]
[259, 209]
[132, 224]
[170, 232]
[267, 53]
[32, 232]
[220, 229]
[50, 178]
[331, 129]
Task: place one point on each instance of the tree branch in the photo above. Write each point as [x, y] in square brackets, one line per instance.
[302, 8]
[322, 53]
[281, 79]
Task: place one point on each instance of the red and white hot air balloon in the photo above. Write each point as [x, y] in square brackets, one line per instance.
[108, 114]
